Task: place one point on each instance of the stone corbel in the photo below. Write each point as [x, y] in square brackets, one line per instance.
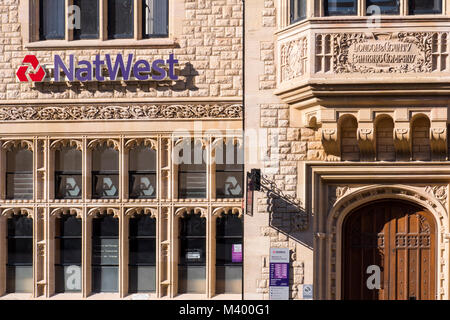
[438, 137]
[402, 141]
[330, 139]
[366, 142]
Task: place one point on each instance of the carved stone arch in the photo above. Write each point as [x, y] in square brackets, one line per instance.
[112, 143]
[219, 212]
[13, 144]
[58, 212]
[181, 212]
[97, 212]
[18, 211]
[133, 212]
[72, 143]
[361, 196]
[146, 142]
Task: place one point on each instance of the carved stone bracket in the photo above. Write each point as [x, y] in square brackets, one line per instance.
[330, 141]
[402, 142]
[366, 143]
[438, 142]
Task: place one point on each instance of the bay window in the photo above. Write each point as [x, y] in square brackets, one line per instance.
[340, 7]
[385, 6]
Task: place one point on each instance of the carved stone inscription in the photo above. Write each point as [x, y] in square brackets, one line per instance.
[403, 52]
[383, 54]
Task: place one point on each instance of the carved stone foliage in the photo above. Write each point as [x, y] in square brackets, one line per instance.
[130, 112]
[439, 192]
[293, 59]
[398, 52]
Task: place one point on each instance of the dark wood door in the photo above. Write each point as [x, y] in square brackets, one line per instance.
[399, 238]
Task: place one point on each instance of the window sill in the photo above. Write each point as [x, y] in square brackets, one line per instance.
[117, 43]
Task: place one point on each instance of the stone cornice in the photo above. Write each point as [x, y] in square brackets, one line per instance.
[120, 112]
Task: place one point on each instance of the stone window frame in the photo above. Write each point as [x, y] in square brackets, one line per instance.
[316, 9]
[29, 17]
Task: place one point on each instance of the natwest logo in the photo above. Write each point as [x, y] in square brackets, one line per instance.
[30, 70]
[119, 69]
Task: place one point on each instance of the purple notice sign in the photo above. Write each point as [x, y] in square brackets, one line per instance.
[236, 253]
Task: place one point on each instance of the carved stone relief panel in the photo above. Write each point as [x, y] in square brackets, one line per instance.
[294, 55]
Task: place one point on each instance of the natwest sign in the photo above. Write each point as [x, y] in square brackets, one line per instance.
[109, 69]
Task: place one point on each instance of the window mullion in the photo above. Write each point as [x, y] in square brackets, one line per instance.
[103, 20]
[137, 17]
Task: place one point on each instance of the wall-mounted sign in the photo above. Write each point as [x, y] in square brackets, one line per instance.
[307, 292]
[193, 255]
[107, 69]
[279, 274]
[236, 252]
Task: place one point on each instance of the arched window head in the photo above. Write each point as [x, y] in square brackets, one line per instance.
[349, 142]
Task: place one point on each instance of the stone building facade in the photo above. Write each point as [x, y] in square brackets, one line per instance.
[102, 126]
[355, 111]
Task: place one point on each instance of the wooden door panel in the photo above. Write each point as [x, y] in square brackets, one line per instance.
[400, 239]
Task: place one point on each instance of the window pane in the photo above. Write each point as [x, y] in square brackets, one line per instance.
[386, 6]
[105, 251]
[20, 226]
[105, 159]
[105, 278]
[68, 251]
[298, 10]
[120, 19]
[192, 225]
[19, 160]
[229, 184]
[229, 279]
[142, 159]
[19, 279]
[228, 251]
[68, 159]
[68, 278]
[155, 18]
[340, 7]
[68, 186]
[68, 226]
[142, 185]
[20, 251]
[142, 279]
[52, 19]
[142, 225]
[19, 186]
[105, 186]
[106, 226]
[192, 279]
[142, 251]
[88, 20]
[192, 185]
[425, 6]
[230, 225]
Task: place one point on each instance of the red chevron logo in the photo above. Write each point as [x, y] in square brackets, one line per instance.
[30, 70]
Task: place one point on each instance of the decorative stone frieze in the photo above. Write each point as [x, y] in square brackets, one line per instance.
[130, 112]
[294, 57]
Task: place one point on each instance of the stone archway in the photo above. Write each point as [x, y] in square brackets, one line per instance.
[349, 200]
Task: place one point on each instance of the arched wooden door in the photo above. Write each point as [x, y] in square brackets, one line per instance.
[399, 238]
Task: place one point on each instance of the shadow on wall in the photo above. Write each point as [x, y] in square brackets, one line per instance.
[287, 216]
[185, 82]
